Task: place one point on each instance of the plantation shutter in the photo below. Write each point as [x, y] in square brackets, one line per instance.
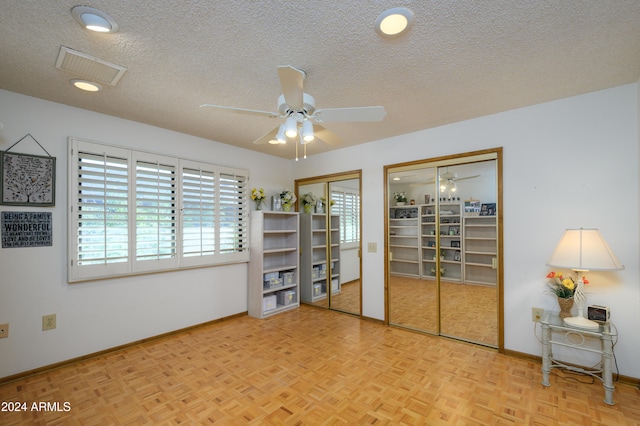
[347, 206]
[99, 218]
[351, 218]
[198, 213]
[233, 213]
[156, 212]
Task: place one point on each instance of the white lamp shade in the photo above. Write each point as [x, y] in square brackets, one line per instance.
[307, 132]
[280, 137]
[584, 250]
[291, 127]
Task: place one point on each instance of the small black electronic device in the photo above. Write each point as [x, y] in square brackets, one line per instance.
[598, 313]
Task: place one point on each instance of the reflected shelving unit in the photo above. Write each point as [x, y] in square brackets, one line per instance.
[316, 273]
[404, 240]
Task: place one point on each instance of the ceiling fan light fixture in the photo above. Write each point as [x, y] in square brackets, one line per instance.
[88, 86]
[94, 19]
[291, 127]
[394, 21]
[307, 132]
[281, 137]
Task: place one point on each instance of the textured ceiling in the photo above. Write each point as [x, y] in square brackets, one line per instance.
[459, 60]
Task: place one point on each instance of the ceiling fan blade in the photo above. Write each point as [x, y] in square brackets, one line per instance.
[326, 135]
[465, 178]
[338, 115]
[270, 135]
[243, 110]
[291, 81]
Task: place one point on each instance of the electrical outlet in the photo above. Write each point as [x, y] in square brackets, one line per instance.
[537, 314]
[48, 322]
[4, 330]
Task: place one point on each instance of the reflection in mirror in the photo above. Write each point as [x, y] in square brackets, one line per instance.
[344, 205]
[468, 288]
[443, 249]
[413, 293]
[314, 282]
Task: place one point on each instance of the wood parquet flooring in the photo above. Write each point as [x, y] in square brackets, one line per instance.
[311, 366]
[468, 311]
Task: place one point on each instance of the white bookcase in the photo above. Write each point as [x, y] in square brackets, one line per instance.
[404, 240]
[480, 249]
[274, 265]
[451, 241]
[314, 268]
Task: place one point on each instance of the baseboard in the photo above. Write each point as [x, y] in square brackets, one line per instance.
[50, 367]
[619, 378]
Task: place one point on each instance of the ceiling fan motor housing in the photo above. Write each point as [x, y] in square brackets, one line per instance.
[308, 106]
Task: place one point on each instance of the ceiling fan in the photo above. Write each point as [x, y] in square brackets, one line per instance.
[448, 181]
[299, 112]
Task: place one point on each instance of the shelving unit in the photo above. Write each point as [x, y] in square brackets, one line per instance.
[315, 273]
[449, 232]
[404, 240]
[480, 249]
[468, 244]
[274, 266]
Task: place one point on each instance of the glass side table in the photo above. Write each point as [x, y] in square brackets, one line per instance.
[553, 327]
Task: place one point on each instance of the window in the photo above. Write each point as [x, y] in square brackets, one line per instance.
[134, 212]
[347, 206]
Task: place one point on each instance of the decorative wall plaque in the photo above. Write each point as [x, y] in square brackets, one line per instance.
[27, 180]
[26, 229]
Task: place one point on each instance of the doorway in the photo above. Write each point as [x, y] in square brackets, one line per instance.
[443, 240]
[330, 246]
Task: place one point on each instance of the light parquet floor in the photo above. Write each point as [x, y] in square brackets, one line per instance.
[311, 366]
[467, 311]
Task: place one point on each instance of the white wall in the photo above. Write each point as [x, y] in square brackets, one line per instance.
[97, 315]
[568, 163]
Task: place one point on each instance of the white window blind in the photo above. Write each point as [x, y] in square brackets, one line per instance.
[156, 212]
[198, 212]
[138, 212]
[99, 217]
[233, 212]
[347, 206]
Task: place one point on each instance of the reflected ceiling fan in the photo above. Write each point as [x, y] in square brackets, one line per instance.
[299, 113]
[448, 181]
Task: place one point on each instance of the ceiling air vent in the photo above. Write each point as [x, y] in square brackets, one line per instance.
[87, 66]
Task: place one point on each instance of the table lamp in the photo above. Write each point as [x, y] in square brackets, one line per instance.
[583, 250]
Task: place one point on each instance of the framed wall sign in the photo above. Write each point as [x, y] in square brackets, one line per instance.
[27, 180]
[26, 229]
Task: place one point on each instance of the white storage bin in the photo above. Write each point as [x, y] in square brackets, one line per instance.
[269, 303]
[286, 297]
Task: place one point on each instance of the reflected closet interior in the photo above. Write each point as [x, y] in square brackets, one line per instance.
[443, 238]
[330, 267]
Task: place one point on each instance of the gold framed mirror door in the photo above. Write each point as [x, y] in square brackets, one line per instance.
[330, 246]
[443, 240]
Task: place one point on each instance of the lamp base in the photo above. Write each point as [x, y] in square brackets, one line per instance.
[582, 322]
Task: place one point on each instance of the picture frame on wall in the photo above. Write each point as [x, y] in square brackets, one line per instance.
[488, 209]
[27, 180]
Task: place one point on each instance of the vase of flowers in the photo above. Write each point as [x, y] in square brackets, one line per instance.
[400, 197]
[433, 271]
[563, 287]
[288, 198]
[308, 202]
[258, 196]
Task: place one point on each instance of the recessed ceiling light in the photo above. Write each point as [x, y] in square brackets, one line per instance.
[89, 86]
[94, 19]
[394, 21]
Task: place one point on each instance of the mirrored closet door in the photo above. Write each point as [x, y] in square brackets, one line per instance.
[330, 264]
[443, 243]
